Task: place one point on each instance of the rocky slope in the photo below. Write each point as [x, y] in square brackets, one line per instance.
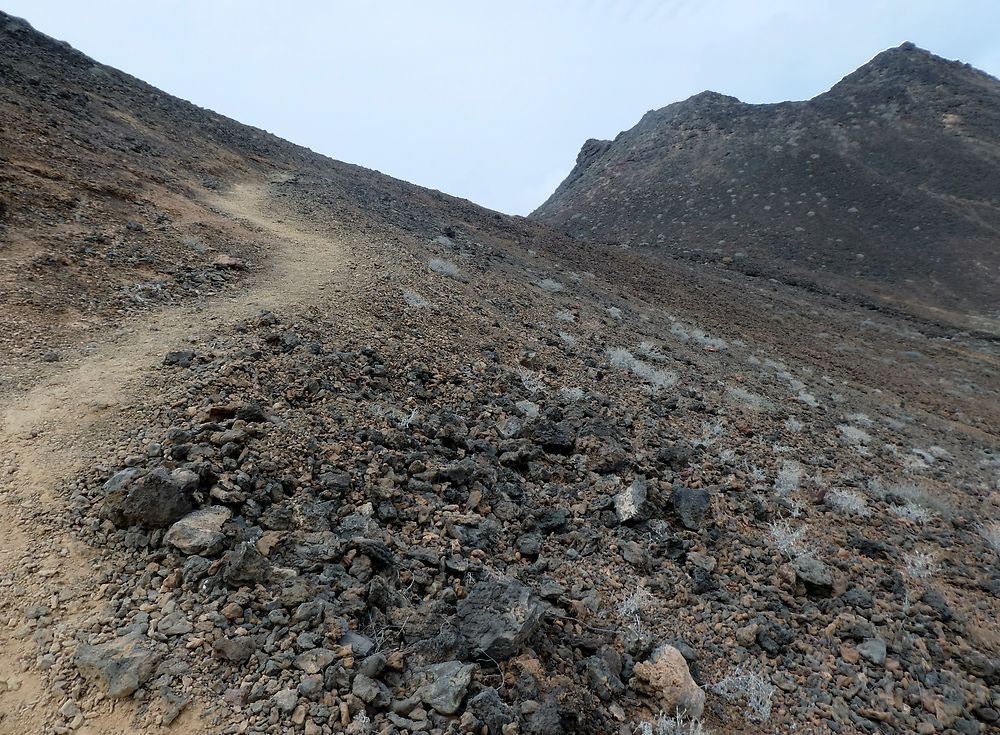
[414, 466]
[886, 187]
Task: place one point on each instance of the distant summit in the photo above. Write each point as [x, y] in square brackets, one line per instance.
[886, 187]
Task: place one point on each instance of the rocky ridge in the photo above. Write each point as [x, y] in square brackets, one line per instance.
[884, 188]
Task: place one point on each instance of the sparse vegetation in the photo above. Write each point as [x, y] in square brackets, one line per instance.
[708, 341]
[912, 513]
[991, 533]
[686, 333]
[658, 379]
[412, 298]
[859, 419]
[875, 488]
[853, 435]
[676, 725]
[711, 432]
[787, 540]
[752, 401]
[808, 398]
[551, 285]
[651, 352]
[912, 494]
[408, 499]
[678, 330]
[848, 502]
[919, 564]
[631, 609]
[758, 475]
[444, 267]
[749, 687]
[788, 479]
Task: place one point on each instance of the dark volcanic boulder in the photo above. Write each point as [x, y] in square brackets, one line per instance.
[490, 709]
[245, 566]
[498, 616]
[691, 505]
[814, 575]
[154, 501]
[554, 438]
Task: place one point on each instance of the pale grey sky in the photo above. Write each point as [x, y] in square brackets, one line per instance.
[492, 100]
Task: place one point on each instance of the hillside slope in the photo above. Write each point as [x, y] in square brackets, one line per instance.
[288, 446]
[105, 195]
[887, 186]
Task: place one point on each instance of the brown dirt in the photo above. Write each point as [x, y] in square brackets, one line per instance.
[48, 432]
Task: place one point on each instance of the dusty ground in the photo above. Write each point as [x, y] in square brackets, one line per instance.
[403, 398]
[80, 409]
[48, 433]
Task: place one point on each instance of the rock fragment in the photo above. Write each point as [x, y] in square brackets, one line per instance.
[120, 666]
[498, 616]
[154, 501]
[814, 575]
[446, 686]
[174, 624]
[490, 710]
[691, 505]
[665, 678]
[630, 503]
[200, 532]
[245, 565]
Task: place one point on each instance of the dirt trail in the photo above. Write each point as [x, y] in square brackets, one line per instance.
[48, 433]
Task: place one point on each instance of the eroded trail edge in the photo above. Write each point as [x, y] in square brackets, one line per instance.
[50, 432]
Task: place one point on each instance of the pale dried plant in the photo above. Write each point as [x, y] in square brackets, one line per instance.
[531, 382]
[912, 513]
[678, 330]
[991, 534]
[651, 352]
[848, 502]
[412, 298]
[789, 541]
[853, 435]
[706, 340]
[658, 379]
[664, 724]
[808, 398]
[631, 608]
[444, 267]
[788, 479]
[919, 564]
[749, 687]
[793, 425]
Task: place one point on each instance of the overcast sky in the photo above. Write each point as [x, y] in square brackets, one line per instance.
[492, 100]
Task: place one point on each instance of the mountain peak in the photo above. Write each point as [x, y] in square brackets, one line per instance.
[908, 64]
[880, 161]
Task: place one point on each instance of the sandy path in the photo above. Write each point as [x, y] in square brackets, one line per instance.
[50, 432]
